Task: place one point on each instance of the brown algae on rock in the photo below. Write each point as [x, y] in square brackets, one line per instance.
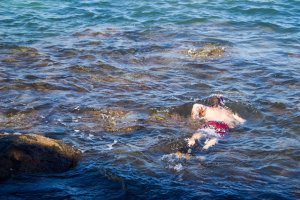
[23, 56]
[208, 51]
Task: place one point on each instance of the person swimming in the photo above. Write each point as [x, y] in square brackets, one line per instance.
[216, 113]
[218, 121]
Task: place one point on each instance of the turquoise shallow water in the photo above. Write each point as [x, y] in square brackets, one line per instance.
[111, 78]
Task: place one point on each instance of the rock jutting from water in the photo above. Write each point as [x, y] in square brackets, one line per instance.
[35, 154]
[208, 51]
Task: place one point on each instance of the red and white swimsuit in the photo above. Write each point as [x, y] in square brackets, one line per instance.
[220, 127]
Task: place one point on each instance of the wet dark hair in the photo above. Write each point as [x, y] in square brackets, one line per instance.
[215, 101]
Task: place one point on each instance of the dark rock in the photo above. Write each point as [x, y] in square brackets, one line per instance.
[34, 153]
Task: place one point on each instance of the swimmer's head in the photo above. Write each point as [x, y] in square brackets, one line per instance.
[216, 101]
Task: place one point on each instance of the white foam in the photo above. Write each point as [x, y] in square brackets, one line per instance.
[201, 158]
[110, 146]
[178, 167]
[90, 136]
[169, 157]
[173, 161]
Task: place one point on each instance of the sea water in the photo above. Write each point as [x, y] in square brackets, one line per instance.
[117, 79]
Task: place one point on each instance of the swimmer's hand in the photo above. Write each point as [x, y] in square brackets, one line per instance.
[191, 141]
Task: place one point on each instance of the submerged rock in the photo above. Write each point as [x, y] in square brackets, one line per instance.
[98, 32]
[24, 49]
[208, 51]
[115, 120]
[22, 56]
[34, 153]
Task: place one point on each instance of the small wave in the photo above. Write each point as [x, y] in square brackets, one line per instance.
[110, 146]
[255, 10]
[273, 27]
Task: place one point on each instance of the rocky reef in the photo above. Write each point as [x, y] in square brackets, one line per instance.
[35, 154]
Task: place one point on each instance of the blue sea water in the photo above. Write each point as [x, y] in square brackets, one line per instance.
[111, 78]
